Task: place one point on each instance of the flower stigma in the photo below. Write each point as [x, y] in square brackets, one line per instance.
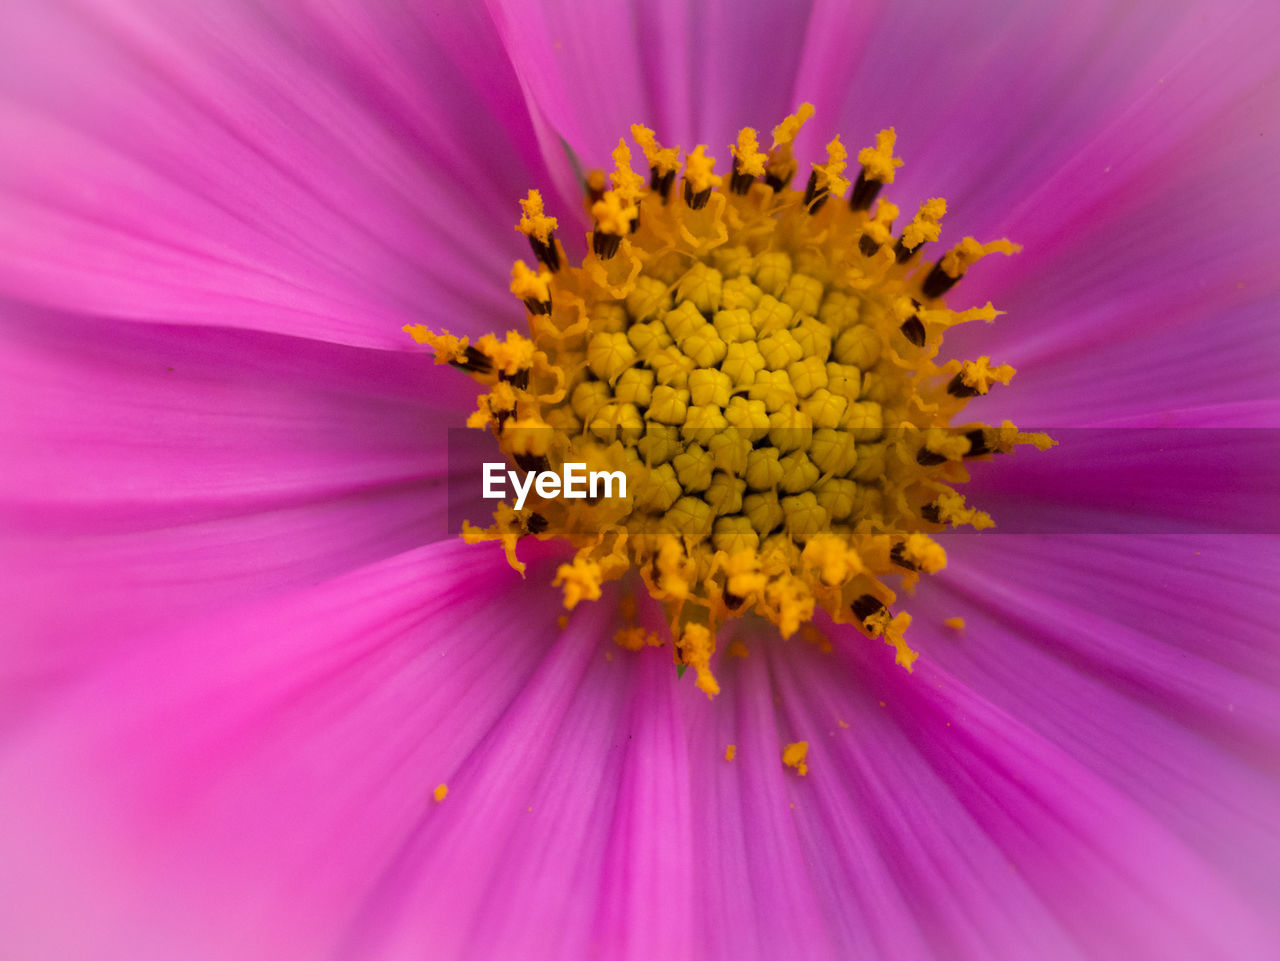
[763, 364]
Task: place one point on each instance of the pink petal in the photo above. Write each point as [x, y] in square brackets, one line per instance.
[239, 788]
[288, 169]
[154, 473]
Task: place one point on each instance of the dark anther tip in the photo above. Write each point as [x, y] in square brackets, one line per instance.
[867, 246]
[778, 184]
[660, 183]
[698, 200]
[604, 245]
[864, 192]
[519, 380]
[902, 254]
[538, 306]
[740, 183]
[531, 462]
[977, 443]
[929, 458]
[938, 282]
[932, 513]
[733, 601]
[958, 388]
[913, 330]
[866, 606]
[899, 557]
[477, 361]
[546, 252]
[537, 524]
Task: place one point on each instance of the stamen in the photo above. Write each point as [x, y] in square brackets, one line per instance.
[762, 368]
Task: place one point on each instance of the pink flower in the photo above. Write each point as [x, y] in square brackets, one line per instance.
[241, 654]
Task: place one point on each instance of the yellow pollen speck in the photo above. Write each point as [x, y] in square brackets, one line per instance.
[765, 372]
[441, 792]
[795, 755]
[955, 623]
[731, 752]
[843, 724]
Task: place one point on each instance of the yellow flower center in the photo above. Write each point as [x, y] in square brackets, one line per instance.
[761, 364]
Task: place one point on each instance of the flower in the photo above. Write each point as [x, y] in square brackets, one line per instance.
[258, 706]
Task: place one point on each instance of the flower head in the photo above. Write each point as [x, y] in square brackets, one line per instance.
[258, 704]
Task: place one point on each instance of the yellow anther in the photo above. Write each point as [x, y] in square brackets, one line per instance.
[613, 214]
[626, 182]
[830, 175]
[955, 623]
[508, 356]
[924, 553]
[785, 132]
[833, 558]
[441, 792]
[979, 375]
[968, 252]
[879, 227]
[795, 756]
[698, 170]
[528, 285]
[951, 509]
[924, 226]
[731, 751]
[535, 223]
[448, 348]
[878, 162]
[662, 159]
[748, 158]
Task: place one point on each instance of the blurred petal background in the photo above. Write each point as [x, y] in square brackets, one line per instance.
[239, 651]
